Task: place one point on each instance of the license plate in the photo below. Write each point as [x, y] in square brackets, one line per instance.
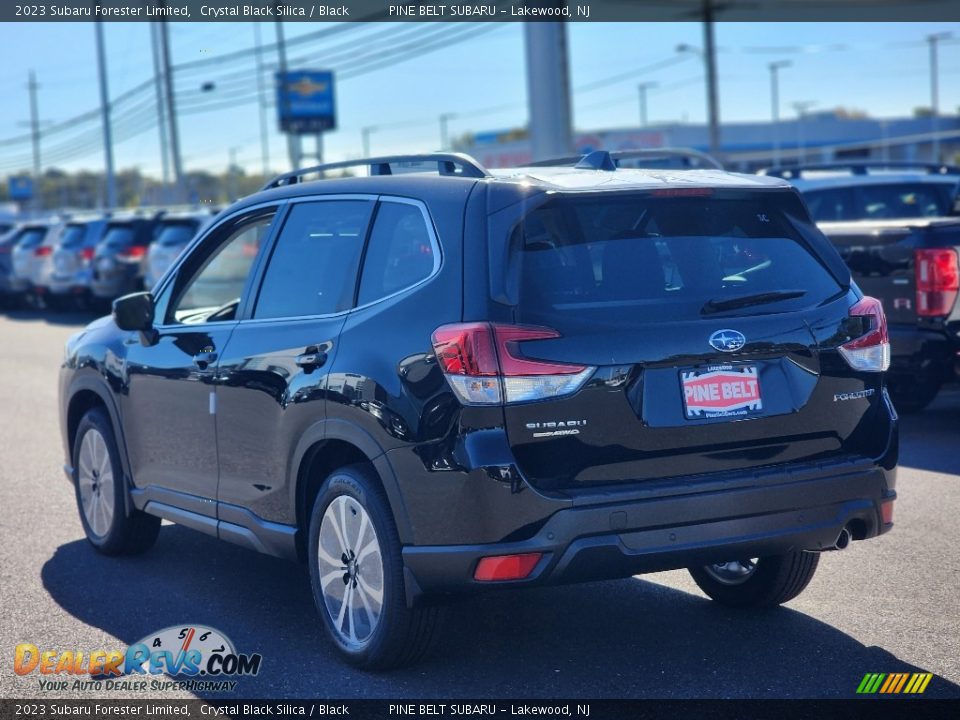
[721, 391]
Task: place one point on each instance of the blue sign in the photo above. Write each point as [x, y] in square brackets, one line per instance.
[305, 101]
[20, 187]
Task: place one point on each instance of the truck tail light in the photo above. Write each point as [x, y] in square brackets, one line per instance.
[938, 280]
[482, 364]
[871, 351]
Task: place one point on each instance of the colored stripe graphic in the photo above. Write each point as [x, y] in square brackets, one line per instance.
[894, 683]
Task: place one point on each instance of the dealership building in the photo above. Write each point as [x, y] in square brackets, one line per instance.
[816, 137]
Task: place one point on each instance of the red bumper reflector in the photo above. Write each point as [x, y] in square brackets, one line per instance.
[886, 512]
[506, 567]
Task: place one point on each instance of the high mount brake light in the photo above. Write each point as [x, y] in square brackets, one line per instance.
[871, 351]
[938, 280]
[482, 364]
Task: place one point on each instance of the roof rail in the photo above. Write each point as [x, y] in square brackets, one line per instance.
[447, 164]
[860, 168]
[595, 159]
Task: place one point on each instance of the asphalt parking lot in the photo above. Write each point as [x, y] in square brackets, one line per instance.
[888, 605]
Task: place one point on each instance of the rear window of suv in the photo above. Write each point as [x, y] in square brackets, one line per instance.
[647, 259]
[175, 234]
[892, 201]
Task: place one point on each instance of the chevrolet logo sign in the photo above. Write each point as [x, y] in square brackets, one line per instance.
[305, 87]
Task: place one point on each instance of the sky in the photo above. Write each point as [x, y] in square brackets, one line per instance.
[476, 71]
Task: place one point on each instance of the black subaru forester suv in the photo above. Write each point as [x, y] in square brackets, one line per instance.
[430, 383]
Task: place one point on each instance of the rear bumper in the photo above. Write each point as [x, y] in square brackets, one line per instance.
[765, 514]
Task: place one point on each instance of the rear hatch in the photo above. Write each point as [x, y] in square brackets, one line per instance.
[709, 322]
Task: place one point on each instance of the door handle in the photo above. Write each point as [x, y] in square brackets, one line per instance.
[203, 360]
[312, 359]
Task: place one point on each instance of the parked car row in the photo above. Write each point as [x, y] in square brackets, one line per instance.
[90, 259]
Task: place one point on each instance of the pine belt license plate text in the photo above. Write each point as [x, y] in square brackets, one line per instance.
[721, 391]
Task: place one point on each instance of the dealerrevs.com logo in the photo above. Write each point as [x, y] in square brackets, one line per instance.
[197, 657]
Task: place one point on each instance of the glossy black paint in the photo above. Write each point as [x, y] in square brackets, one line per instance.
[220, 422]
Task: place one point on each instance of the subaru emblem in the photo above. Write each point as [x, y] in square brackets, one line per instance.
[727, 340]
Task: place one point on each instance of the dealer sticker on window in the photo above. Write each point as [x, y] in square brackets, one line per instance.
[721, 391]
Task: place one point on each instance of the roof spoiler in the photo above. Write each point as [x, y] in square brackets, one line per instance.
[458, 164]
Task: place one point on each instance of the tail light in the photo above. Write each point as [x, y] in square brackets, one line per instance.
[938, 281]
[506, 567]
[134, 253]
[86, 254]
[871, 351]
[482, 364]
[43, 251]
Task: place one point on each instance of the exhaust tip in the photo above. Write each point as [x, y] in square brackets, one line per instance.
[843, 539]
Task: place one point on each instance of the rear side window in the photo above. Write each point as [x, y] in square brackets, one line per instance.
[175, 234]
[644, 259]
[400, 252]
[313, 266]
[73, 236]
[892, 201]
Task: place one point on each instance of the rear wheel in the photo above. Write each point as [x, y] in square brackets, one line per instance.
[356, 573]
[757, 582]
[101, 494]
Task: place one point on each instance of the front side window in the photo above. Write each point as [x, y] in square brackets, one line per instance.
[400, 252]
[217, 279]
[313, 266]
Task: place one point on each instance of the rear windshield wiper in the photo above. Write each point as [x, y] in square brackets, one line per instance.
[720, 304]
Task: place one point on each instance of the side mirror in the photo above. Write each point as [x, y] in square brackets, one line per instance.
[134, 312]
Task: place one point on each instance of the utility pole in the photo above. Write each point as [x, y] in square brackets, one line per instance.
[293, 140]
[161, 107]
[232, 191]
[105, 112]
[775, 104]
[642, 88]
[801, 107]
[32, 87]
[548, 89]
[710, 60]
[365, 133]
[934, 41]
[172, 114]
[445, 118]
[262, 102]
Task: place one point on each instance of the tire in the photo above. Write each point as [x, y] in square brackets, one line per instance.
[101, 492]
[351, 503]
[774, 580]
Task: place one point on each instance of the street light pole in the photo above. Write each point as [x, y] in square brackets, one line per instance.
[293, 141]
[32, 87]
[801, 107]
[105, 112]
[642, 89]
[934, 41]
[262, 102]
[444, 135]
[161, 107]
[548, 89]
[775, 104]
[365, 133]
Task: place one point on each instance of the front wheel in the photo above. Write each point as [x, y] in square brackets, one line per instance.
[101, 494]
[356, 573]
[757, 582]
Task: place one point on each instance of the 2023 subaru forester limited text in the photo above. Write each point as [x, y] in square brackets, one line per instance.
[429, 383]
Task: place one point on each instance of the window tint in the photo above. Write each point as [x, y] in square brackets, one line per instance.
[175, 234]
[654, 260]
[313, 267]
[399, 253]
[73, 236]
[213, 292]
[878, 202]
